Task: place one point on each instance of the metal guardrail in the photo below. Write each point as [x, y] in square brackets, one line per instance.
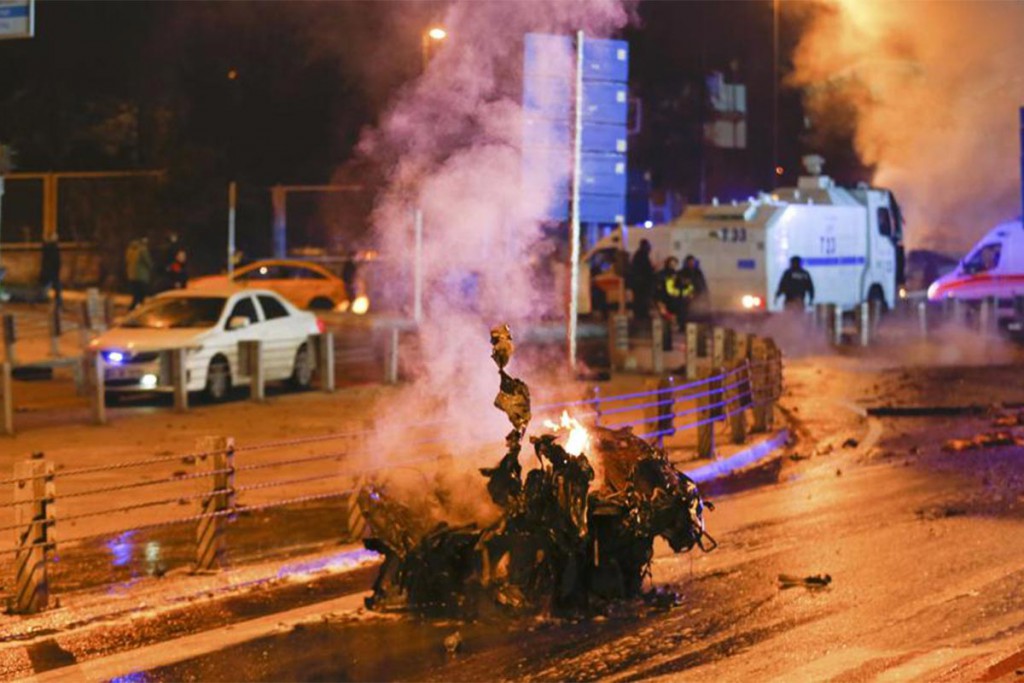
[751, 382]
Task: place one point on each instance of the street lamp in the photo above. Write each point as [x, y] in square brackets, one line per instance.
[435, 34]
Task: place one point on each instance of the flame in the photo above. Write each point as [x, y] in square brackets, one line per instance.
[579, 438]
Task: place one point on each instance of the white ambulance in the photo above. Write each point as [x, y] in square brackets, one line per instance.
[994, 267]
[850, 241]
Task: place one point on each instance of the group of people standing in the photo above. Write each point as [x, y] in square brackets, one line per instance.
[139, 268]
[679, 294]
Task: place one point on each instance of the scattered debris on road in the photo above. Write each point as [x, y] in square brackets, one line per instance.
[986, 440]
[559, 545]
[817, 581]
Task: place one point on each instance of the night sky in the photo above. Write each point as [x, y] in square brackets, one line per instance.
[280, 92]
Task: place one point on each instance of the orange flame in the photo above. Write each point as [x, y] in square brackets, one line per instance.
[579, 438]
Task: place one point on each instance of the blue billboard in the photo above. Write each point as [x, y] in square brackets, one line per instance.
[548, 102]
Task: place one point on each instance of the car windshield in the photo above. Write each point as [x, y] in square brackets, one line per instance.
[177, 312]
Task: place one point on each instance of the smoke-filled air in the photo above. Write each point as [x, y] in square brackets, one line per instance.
[935, 89]
[450, 143]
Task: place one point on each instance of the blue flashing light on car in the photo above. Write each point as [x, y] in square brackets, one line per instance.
[114, 357]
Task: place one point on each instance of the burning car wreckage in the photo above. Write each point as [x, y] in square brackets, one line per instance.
[558, 545]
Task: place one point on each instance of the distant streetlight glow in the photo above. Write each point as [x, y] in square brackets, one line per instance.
[431, 36]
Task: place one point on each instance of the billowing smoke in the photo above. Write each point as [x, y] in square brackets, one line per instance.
[934, 88]
[450, 143]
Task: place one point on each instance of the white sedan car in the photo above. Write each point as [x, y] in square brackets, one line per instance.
[209, 323]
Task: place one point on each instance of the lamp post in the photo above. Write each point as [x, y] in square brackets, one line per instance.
[434, 34]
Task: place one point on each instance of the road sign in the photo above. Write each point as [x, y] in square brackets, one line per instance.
[548, 103]
[17, 19]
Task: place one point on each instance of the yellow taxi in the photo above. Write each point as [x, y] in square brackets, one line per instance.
[305, 284]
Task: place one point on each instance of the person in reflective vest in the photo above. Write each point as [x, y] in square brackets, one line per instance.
[796, 286]
[670, 294]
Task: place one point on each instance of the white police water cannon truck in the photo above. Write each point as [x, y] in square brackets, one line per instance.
[849, 239]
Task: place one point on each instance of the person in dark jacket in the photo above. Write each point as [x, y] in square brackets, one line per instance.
[796, 286]
[694, 288]
[177, 270]
[49, 272]
[642, 280]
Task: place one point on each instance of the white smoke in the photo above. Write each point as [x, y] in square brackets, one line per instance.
[451, 145]
[935, 89]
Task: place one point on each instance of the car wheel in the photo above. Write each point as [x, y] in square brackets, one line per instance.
[321, 303]
[218, 379]
[302, 374]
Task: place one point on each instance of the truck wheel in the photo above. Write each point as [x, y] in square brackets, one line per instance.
[875, 293]
[218, 379]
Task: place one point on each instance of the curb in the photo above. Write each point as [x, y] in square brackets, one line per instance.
[737, 461]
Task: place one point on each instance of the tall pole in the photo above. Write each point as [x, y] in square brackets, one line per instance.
[232, 200]
[574, 219]
[775, 93]
[417, 266]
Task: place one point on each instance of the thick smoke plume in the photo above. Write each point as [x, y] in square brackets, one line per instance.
[450, 143]
[934, 88]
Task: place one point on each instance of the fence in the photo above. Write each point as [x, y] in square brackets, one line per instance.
[223, 482]
[988, 316]
[89, 367]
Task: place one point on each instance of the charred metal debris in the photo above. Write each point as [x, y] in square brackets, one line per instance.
[562, 543]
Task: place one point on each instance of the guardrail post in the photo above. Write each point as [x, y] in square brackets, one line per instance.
[922, 319]
[10, 337]
[250, 361]
[988, 315]
[774, 381]
[356, 526]
[822, 316]
[618, 335]
[738, 399]
[179, 378]
[835, 326]
[323, 343]
[34, 514]
[692, 350]
[718, 347]
[6, 399]
[706, 416]
[864, 323]
[759, 391]
[54, 329]
[391, 358]
[595, 395]
[742, 348]
[666, 409]
[97, 385]
[877, 309]
[657, 344]
[959, 311]
[219, 454]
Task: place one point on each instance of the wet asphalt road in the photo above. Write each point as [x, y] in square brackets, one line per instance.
[925, 549]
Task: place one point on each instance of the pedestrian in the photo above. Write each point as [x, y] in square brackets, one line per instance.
[669, 294]
[796, 286]
[49, 271]
[177, 270]
[642, 280]
[694, 289]
[139, 267]
[348, 275]
[168, 256]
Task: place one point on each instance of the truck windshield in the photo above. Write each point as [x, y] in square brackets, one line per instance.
[177, 312]
[984, 259]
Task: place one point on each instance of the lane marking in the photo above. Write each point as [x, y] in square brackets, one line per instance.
[197, 644]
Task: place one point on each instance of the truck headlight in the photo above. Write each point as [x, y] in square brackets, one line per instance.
[751, 301]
